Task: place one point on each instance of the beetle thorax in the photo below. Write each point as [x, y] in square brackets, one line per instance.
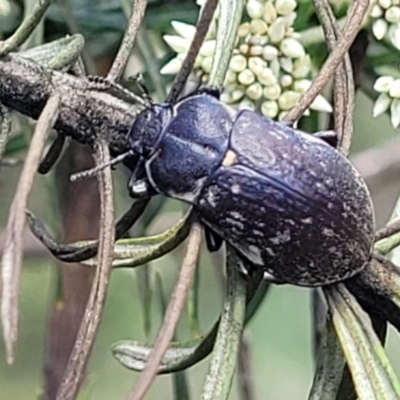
[148, 128]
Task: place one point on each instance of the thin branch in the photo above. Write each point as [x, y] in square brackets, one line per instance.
[12, 255]
[65, 8]
[344, 85]
[84, 111]
[26, 28]
[175, 307]
[350, 30]
[138, 9]
[188, 63]
[94, 309]
[388, 230]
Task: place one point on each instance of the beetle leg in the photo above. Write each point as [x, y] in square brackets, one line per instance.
[139, 186]
[213, 240]
[52, 154]
[329, 137]
[139, 189]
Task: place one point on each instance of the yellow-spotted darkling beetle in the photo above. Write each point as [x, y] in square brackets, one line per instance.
[287, 201]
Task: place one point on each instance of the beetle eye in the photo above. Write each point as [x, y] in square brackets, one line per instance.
[147, 129]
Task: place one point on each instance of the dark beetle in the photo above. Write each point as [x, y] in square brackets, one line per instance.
[288, 202]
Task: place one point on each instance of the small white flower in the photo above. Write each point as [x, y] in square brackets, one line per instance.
[272, 92]
[206, 64]
[381, 105]
[394, 35]
[254, 91]
[183, 29]
[246, 104]
[257, 65]
[392, 15]
[395, 113]
[238, 63]
[385, 3]
[380, 28]
[269, 69]
[255, 9]
[246, 77]
[267, 77]
[270, 13]
[177, 43]
[394, 90]
[284, 7]
[301, 85]
[302, 67]
[208, 48]
[286, 64]
[292, 48]
[288, 99]
[258, 26]
[383, 84]
[286, 80]
[172, 67]
[269, 52]
[321, 104]
[276, 30]
[386, 20]
[269, 109]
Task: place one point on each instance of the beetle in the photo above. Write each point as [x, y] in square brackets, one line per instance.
[287, 201]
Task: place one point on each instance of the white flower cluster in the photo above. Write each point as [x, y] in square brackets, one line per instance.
[269, 69]
[389, 98]
[386, 20]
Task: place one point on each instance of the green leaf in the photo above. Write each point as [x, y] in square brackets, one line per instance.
[228, 25]
[226, 349]
[181, 355]
[16, 144]
[330, 366]
[138, 251]
[372, 373]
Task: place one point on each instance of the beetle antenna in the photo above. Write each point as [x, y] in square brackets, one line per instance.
[93, 171]
[138, 79]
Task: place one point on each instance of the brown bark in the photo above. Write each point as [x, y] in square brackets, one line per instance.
[79, 207]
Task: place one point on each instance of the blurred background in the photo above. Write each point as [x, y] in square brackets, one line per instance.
[279, 335]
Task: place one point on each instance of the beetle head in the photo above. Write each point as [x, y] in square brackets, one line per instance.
[147, 130]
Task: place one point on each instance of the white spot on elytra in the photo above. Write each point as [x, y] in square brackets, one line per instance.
[270, 251]
[235, 188]
[328, 232]
[281, 237]
[308, 220]
[235, 223]
[237, 215]
[229, 159]
[211, 197]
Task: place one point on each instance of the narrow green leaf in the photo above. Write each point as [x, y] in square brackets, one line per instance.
[228, 25]
[330, 363]
[372, 373]
[182, 355]
[223, 363]
[138, 251]
[26, 28]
